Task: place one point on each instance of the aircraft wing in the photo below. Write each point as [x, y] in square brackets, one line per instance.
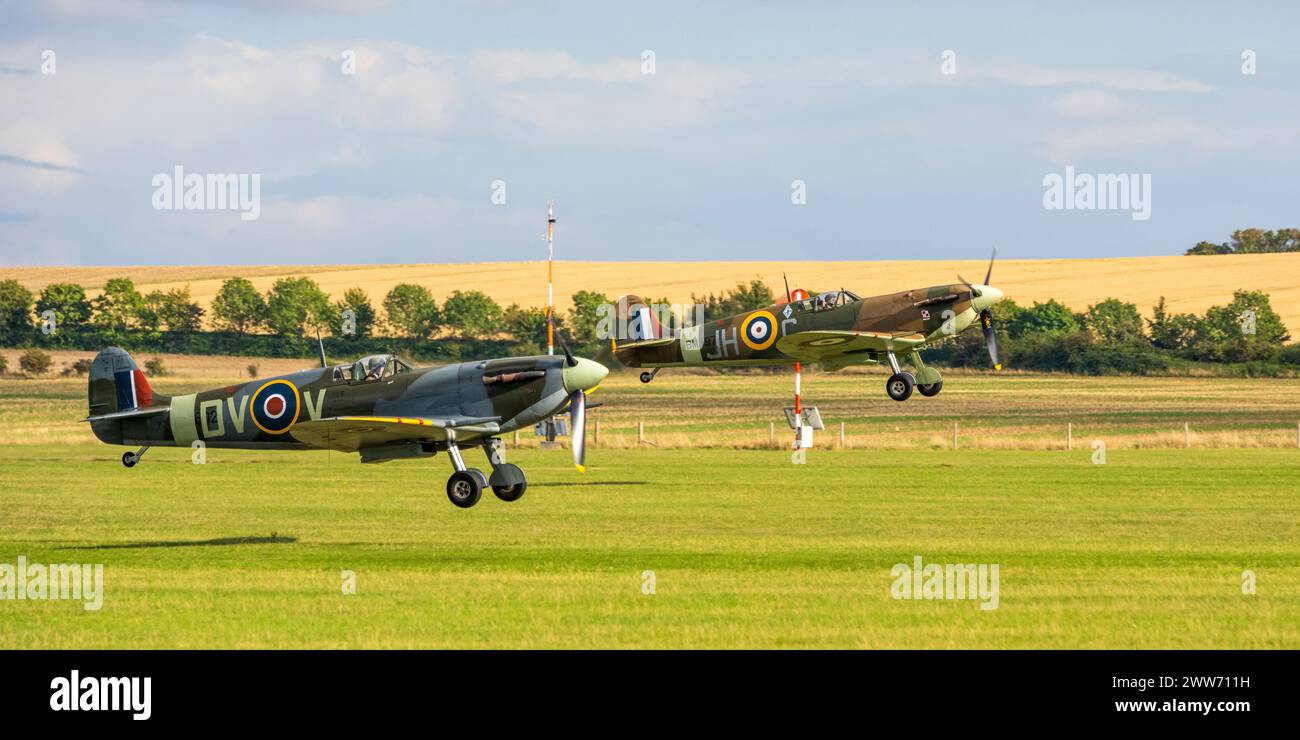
[352, 433]
[637, 344]
[821, 346]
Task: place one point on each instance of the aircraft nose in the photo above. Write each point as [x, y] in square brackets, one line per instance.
[586, 375]
[988, 296]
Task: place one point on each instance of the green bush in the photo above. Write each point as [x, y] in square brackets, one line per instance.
[35, 362]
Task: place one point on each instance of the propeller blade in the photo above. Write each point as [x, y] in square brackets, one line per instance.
[990, 337]
[989, 275]
[973, 292]
[607, 353]
[569, 359]
[578, 428]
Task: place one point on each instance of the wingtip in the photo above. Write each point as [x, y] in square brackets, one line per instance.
[997, 366]
[581, 468]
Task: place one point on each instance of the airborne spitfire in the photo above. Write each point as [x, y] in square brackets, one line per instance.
[836, 329]
[379, 406]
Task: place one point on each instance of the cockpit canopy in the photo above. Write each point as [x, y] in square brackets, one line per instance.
[378, 367]
[827, 300]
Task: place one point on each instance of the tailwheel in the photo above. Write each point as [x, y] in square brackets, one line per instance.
[465, 487]
[899, 386]
[647, 377]
[129, 459]
[930, 389]
[513, 491]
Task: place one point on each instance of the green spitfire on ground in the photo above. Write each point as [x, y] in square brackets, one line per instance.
[380, 406]
[835, 328]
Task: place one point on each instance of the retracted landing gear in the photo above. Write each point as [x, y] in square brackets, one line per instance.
[465, 486]
[508, 481]
[129, 459]
[646, 377]
[900, 384]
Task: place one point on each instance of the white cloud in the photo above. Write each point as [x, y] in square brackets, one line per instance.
[506, 66]
[1086, 104]
[230, 106]
[1140, 80]
[552, 94]
[1150, 137]
[290, 114]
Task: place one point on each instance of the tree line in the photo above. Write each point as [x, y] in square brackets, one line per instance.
[1112, 337]
[284, 321]
[1108, 337]
[1253, 241]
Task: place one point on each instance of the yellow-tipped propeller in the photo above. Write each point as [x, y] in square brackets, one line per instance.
[986, 315]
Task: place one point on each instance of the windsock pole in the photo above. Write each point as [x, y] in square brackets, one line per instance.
[550, 277]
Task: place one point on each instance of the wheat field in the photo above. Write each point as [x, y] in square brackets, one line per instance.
[1190, 284]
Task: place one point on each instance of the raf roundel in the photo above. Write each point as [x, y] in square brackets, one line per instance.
[758, 330]
[275, 406]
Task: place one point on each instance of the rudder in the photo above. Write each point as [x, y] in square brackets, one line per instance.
[117, 383]
[634, 320]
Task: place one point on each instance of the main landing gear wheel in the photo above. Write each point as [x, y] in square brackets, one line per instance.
[514, 491]
[931, 389]
[465, 487]
[899, 386]
[129, 459]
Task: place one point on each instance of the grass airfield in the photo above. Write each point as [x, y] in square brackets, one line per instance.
[747, 549]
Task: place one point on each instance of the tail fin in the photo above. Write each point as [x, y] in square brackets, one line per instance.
[634, 320]
[117, 383]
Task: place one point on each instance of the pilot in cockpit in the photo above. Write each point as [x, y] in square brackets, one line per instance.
[376, 366]
[369, 368]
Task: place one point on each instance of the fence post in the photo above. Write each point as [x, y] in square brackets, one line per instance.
[640, 432]
[771, 432]
[1187, 434]
[954, 434]
[841, 435]
[516, 441]
[1069, 435]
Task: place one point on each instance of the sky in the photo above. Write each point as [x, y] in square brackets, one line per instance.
[664, 130]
